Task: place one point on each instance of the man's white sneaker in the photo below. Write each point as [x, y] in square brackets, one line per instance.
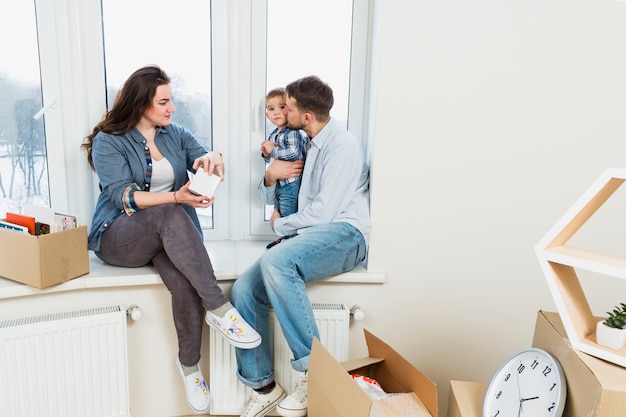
[196, 390]
[235, 329]
[296, 403]
[261, 404]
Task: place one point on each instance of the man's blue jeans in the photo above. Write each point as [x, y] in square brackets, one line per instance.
[279, 278]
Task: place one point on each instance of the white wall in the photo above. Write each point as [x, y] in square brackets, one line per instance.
[493, 117]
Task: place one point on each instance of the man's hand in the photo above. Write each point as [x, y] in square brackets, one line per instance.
[279, 170]
[275, 215]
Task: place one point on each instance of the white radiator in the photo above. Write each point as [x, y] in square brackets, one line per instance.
[229, 395]
[71, 364]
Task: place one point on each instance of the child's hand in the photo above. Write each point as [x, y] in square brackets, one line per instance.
[266, 147]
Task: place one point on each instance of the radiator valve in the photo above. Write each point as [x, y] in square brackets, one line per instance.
[133, 312]
[357, 313]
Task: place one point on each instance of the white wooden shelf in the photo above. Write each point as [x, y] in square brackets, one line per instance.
[559, 263]
[588, 260]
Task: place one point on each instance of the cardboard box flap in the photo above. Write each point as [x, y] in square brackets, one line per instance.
[354, 365]
[396, 374]
[339, 395]
[609, 375]
[549, 335]
[605, 372]
[466, 399]
[595, 388]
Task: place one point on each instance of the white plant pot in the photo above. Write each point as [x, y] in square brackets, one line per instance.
[610, 337]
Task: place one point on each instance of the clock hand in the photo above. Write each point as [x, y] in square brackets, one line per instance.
[519, 396]
[526, 399]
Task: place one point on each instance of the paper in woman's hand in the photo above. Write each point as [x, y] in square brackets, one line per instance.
[204, 184]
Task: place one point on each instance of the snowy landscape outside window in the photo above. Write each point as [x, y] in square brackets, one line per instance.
[23, 160]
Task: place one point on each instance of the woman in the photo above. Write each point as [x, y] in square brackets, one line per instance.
[146, 214]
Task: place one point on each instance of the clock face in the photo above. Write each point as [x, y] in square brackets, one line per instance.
[531, 383]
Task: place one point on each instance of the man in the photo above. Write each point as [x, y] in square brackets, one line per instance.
[327, 236]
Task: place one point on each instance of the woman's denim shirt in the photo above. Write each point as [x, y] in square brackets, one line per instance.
[123, 165]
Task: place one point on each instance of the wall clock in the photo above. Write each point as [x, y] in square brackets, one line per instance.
[531, 383]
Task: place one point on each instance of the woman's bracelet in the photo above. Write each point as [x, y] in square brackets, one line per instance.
[175, 199]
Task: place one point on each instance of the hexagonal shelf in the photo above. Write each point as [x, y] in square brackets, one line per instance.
[559, 261]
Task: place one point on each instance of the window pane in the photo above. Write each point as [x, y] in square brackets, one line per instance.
[23, 162]
[325, 28]
[177, 37]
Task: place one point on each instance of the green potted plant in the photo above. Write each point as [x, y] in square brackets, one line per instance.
[611, 332]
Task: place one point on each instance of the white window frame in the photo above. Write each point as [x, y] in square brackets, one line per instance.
[360, 117]
[73, 77]
[231, 113]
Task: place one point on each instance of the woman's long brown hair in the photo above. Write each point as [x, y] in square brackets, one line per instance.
[132, 101]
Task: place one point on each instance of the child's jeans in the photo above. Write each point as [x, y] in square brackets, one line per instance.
[287, 197]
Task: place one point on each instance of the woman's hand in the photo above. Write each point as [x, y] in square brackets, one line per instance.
[184, 196]
[212, 163]
[145, 199]
[279, 170]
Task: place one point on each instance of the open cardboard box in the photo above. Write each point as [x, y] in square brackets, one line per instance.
[466, 399]
[45, 260]
[333, 392]
[595, 387]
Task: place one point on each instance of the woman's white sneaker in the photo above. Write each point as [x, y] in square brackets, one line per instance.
[235, 329]
[196, 389]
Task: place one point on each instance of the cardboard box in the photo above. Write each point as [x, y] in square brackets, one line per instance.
[595, 388]
[466, 399]
[333, 392]
[45, 260]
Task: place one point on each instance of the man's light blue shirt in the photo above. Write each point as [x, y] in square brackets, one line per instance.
[335, 184]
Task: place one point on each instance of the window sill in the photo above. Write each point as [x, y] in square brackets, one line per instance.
[230, 259]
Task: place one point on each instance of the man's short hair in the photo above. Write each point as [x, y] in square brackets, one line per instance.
[312, 95]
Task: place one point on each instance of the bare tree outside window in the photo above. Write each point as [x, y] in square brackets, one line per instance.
[23, 160]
